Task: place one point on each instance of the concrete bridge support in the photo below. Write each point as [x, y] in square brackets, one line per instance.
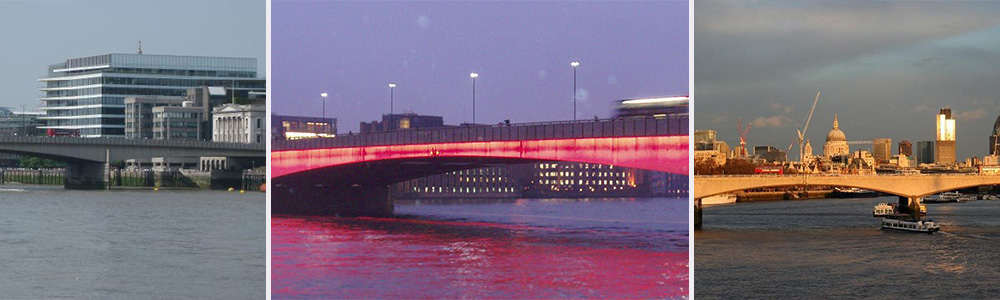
[85, 175]
[697, 213]
[345, 201]
[910, 205]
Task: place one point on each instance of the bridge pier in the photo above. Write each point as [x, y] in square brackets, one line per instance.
[319, 200]
[697, 213]
[85, 175]
[910, 205]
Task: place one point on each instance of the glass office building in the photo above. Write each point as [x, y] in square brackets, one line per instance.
[88, 93]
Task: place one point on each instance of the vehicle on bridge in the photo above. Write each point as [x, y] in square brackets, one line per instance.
[62, 132]
[778, 170]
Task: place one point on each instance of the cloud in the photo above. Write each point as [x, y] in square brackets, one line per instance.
[977, 114]
[778, 107]
[775, 121]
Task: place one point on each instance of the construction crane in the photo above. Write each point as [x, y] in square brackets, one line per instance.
[742, 152]
[802, 151]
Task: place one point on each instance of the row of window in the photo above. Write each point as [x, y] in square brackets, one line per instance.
[107, 100]
[86, 111]
[86, 121]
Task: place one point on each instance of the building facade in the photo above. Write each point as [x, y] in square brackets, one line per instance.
[402, 121]
[139, 114]
[925, 152]
[906, 148]
[177, 122]
[882, 150]
[296, 128]
[235, 123]
[944, 152]
[88, 93]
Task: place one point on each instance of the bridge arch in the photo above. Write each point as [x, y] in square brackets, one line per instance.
[912, 186]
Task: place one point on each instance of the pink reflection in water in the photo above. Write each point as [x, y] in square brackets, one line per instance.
[388, 258]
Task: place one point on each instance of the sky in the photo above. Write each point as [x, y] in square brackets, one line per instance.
[37, 34]
[884, 67]
[521, 50]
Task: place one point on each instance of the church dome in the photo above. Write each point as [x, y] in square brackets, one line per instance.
[835, 134]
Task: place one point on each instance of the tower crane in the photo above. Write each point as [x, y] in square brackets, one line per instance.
[802, 133]
[742, 152]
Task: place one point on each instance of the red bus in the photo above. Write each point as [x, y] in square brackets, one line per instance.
[769, 170]
[62, 132]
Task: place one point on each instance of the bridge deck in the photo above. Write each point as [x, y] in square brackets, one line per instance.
[672, 125]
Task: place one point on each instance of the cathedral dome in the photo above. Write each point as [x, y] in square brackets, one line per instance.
[835, 134]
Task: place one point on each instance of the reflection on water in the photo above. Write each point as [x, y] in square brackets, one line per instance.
[832, 248]
[502, 249]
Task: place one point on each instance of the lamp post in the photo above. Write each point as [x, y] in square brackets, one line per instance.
[574, 64]
[474, 75]
[391, 87]
[324, 103]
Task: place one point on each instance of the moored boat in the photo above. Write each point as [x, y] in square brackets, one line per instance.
[852, 193]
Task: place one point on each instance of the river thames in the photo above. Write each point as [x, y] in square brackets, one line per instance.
[834, 249]
[524, 248]
[132, 244]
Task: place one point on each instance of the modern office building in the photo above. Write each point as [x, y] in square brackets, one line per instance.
[235, 123]
[704, 139]
[88, 93]
[177, 122]
[906, 148]
[925, 152]
[296, 128]
[402, 121]
[944, 154]
[995, 138]
[882, 150]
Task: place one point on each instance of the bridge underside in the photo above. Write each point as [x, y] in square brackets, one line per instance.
[362, 189]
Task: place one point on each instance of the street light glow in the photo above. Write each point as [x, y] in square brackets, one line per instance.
[575, 64]
[474, 75]
[392, 85]
[323, 95]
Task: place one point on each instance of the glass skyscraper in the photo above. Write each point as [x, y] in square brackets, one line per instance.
[88, 93]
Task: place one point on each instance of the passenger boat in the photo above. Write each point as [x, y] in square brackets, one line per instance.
[942, 197]
[928, 226]
[852, 193]
[884, 209]
[718, 199]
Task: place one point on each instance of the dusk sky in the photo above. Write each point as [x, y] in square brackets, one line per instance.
[522, 51]
[37, 34]
[885, 67]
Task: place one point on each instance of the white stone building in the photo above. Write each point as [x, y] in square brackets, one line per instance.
[234, 123]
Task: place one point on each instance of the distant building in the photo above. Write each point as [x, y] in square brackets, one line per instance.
[88, 93]
[995, 138]
[704, 139]
[836, 141]
[296, 127]
[402, 121]
[882, 150]
[235, 123]
[945, 139]
[906, 148]
[139, 114]
[925, 152]
[177, 122]
[716, 157]
[20, 124]
[770, 154]
[991, 160]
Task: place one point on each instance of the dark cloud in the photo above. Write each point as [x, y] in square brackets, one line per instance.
[884, 67]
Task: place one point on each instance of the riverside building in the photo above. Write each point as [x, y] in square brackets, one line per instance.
[88, 93]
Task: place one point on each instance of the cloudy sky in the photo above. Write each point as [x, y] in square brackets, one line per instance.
[37, 34]
[521, 50]
[885, 67]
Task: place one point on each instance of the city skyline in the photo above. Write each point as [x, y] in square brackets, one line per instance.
[522, 52]
[884, 68]
[215, 28]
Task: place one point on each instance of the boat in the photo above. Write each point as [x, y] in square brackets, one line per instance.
[718, 199]
[884, 209]
[903, 224]
[942, 197]
[852, 193]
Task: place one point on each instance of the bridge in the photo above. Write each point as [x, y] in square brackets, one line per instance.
[87, 159]
[909, 188]
[351, 174]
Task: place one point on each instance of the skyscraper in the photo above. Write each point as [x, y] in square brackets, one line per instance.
[882, 150]
[906, 148]
[88, 93]
[945, 138]
[925, 152]
[995, 138]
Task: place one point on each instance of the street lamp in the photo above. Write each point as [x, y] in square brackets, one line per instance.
[391, 87]
[324, 103]
[474, 75]
[574, 64]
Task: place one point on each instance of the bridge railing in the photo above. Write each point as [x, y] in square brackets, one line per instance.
[837, 175]
[621, 127]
